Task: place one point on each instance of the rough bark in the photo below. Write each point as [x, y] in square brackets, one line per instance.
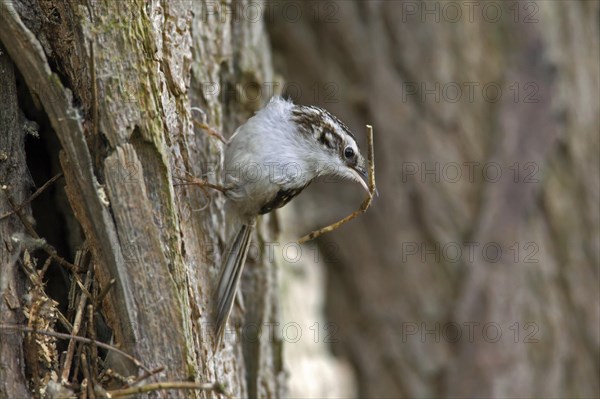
[116, 81]
[12, 170]
[399, 293]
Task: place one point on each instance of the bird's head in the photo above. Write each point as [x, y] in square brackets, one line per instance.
[332, 144]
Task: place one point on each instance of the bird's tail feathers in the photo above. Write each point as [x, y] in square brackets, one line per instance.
[229, 278]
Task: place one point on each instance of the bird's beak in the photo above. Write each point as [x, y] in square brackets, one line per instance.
[361, 176]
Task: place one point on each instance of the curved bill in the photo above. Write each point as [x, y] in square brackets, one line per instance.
[361, 176]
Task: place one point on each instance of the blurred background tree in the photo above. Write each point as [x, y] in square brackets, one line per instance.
[475, 273]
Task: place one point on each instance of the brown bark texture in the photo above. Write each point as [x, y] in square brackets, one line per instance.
[476, 271]
[12, 168]
[112, 84]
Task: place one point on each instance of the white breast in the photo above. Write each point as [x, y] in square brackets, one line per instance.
[264, 156]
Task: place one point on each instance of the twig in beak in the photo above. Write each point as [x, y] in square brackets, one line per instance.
[371, 189]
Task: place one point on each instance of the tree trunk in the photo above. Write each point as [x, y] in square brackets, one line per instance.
[475, 273]
[114, 83]
[12, 169]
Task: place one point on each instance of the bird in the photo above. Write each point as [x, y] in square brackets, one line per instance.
[268, 161]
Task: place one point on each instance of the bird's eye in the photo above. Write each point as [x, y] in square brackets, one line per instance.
[349, 152]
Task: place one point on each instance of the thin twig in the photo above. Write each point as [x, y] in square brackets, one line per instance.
[82, 260]
[146, 376]
[83, 388]
[45, 268]
[203, 184]
[77, 363]
[65, 323]
[98, 300]
[363, 207]
[31, 231]
[92, 334]
[76, 324]
[32, 197]
[158, 386]
[84, 290]
[85, 367]
[204, 126]
[79, 339]
[193, 180]
[110, 374]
